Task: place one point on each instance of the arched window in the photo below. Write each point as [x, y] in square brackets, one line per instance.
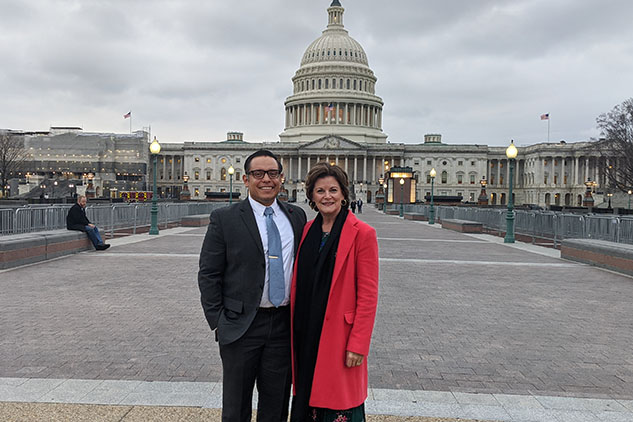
[327, 83]
[348, 84]
[312, 83]
[444, 176]
[354, 84]
[223, 174]
[340, 86]
[319, 83]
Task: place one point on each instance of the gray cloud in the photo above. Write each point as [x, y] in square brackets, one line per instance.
[475, 71]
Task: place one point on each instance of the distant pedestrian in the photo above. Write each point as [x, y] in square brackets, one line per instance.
[77, 220]
[353, 206]
[360, 206]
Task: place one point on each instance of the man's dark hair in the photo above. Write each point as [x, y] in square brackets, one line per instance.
[261, 153]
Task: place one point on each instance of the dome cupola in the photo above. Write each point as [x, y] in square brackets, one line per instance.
[334, 89]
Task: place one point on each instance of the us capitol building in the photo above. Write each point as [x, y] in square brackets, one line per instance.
[334, 114]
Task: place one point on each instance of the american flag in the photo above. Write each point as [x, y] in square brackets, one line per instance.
[127, 115]
[545, 116]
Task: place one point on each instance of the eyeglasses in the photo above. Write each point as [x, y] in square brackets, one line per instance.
[259, 174]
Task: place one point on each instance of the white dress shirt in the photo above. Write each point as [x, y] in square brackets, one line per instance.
[287, 245]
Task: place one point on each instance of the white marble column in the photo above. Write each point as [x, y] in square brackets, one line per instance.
[299, 176]
[365, 168]
[563, 172]
[346, 166]
[354, 177]
[373, 172]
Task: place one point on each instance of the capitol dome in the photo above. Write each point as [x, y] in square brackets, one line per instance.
[334, 89]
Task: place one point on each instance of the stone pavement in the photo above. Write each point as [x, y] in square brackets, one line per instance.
[467, 327]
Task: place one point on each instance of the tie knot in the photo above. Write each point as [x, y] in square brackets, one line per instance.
[268, 211]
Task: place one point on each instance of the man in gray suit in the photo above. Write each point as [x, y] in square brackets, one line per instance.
[245, 271]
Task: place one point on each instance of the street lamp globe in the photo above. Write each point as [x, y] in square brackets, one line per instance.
[511, 151]
[231, 170]
[433, 173]
[154, 147]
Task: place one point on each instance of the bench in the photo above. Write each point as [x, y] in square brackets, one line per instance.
[16, 250]
[195, 220]
[613, 256]
[463, 226]
[417, 216]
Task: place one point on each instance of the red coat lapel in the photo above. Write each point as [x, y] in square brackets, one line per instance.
[345, 243]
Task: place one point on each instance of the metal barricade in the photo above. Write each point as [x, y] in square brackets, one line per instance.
[7, 221]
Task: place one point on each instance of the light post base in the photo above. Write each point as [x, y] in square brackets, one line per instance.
[509, 238]
[432, 215]
[153, 229]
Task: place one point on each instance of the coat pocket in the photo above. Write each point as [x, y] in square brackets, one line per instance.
[349, 317]
[233, 305]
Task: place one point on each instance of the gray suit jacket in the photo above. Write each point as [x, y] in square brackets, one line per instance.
[233, 266]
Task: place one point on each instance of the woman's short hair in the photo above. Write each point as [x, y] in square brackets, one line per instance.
[321, 170]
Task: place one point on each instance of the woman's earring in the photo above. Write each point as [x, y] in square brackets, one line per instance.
[344, 203]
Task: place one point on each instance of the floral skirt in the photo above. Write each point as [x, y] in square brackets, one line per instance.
[356, 414]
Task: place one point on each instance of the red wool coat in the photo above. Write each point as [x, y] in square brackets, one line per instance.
[349, 317]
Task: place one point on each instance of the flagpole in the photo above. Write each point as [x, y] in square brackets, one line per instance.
[548, 120]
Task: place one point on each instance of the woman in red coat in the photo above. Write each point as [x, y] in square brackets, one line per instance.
[333, 301]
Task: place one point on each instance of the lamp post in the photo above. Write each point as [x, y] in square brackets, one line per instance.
[401, 197]
[231, 173]
[609, 195]
[483, 198]
[432, 208]
[154, 148]
[588, 200]
[511, 153]
[630, 192]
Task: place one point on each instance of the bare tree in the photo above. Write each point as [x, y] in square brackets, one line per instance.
[616, 145]
[12, 155]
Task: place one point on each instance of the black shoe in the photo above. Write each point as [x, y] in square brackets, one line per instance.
[102, 247]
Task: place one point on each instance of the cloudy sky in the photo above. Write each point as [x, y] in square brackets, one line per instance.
[476, 71]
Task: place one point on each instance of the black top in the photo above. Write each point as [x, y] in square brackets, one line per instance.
[76, 218]
[336, 3]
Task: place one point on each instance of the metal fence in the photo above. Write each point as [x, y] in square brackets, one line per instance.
[555, 226]
[109, 218]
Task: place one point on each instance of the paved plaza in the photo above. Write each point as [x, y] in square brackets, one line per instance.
[467, 326]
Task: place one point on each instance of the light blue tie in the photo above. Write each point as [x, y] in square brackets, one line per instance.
[276, 279]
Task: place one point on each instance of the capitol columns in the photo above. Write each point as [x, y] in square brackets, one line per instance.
[365, 168]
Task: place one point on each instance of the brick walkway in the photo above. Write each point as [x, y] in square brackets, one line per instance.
[457, 313]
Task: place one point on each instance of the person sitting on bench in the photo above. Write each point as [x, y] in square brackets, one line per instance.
[77, 220]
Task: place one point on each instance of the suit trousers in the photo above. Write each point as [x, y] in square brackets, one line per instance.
[262, 356]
